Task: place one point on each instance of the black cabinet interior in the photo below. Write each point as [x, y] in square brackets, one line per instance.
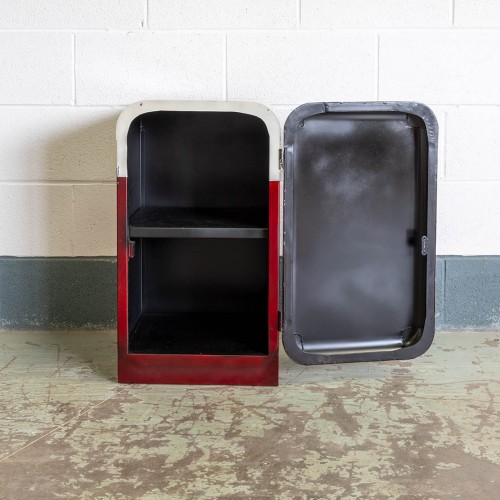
[198, 213]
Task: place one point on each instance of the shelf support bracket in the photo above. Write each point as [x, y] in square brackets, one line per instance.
[131, 249]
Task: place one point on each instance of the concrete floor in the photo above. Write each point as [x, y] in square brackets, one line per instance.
[428, 428]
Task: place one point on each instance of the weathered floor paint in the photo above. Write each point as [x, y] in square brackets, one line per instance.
[427, 428]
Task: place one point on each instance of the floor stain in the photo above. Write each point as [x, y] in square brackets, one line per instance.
[426, 428]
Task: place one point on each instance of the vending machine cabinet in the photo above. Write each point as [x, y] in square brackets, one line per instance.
[208, 270]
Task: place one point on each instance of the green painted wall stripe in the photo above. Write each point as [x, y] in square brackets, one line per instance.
[470, 293]
[57, 293]
[80, 293]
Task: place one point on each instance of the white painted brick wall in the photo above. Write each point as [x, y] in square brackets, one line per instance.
[222, 14]
[72, 14]
[296, 67]
[477, 13]
[36, 219]
[473, 143]
[120, 68]
[440, 67]
[68, 68]
[468, 218]
[375, 13]
[57, 144]
[36, 68]
[94, 225]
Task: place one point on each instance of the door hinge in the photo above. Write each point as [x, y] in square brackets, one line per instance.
[280, 281]
[281, 159]
[280, 293]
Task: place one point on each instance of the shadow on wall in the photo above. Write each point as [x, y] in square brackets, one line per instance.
[76, 215]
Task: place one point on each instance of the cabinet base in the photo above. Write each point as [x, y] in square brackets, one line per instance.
[198, 369]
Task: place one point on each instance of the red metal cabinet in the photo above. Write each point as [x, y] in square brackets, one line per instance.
[202, 289]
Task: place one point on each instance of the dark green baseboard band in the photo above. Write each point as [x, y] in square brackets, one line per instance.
[56, 293]
[468, 293]
[77, 293]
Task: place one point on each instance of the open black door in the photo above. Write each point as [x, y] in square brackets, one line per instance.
[359, 231]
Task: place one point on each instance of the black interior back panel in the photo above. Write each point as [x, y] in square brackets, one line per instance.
[198, 196]
[359, 242]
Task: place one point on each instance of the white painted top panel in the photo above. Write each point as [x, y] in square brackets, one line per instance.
[247, 107]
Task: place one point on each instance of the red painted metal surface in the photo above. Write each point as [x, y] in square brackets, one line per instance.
[193, 368]
[274, 240]
[122, 278]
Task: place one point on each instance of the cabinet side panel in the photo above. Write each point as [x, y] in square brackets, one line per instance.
[122, 277]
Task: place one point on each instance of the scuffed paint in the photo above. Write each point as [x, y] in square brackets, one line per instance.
[427, 428]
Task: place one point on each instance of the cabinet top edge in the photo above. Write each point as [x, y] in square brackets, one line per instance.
[260, 110]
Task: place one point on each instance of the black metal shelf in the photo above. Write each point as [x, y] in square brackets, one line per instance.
[176, 222]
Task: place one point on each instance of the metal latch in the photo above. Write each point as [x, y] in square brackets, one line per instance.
[424, 245]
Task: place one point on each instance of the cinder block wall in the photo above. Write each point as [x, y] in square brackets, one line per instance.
[68, 68]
